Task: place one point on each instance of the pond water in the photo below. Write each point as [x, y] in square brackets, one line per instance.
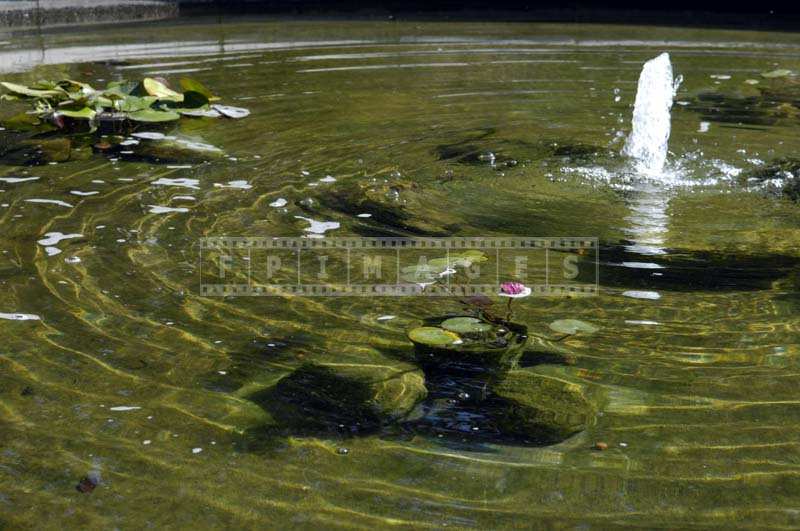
[113, 364]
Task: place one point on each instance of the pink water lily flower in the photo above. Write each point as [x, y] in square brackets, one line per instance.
[515, 290]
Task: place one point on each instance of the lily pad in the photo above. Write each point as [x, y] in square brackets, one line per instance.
[191, 85]
[193, 100]
[432, 336]
[199, 113]
[158, 89]
[231, 112]
[83, 114]
[468, 326]
[33, 93]
[135, 103]
[781, 72]
[573, 326]
[151, 115]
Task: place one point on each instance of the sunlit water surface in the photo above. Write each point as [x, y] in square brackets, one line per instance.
[697, 356]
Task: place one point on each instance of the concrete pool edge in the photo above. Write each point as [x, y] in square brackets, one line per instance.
[22, 15]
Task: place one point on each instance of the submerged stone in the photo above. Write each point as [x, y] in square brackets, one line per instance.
[785, 172]
[36, 151]
[541, 408]
[344, 398]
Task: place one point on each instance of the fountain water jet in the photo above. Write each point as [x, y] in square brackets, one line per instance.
[648, 141]
[647, 145]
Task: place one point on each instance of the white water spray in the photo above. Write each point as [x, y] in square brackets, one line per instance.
[649, 137]
[647, 145]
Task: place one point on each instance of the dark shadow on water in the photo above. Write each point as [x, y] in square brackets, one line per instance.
[692, 270]
[485, 149]
[459, 411]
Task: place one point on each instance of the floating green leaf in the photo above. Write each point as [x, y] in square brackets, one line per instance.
[158, 89]
[573, 326]
[67, 101]
[84, 113]
[135, 103]
[469, 326]
[32, 93]
[781, 72]
[152, 115]
[191, 85]
[193, 100]
[432, 336]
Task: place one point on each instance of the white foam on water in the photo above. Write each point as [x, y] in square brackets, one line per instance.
[124, 408]
[52, 251]
[83, 194]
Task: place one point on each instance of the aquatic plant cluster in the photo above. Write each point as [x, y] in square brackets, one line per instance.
[76, 106]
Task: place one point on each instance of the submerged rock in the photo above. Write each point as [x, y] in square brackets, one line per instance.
[782, 173]
[344, 398]
[540, 407]
[36, 151]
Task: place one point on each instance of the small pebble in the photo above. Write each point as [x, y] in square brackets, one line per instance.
[600, 446]
[343, 451]
[86, 485]
[196, 450]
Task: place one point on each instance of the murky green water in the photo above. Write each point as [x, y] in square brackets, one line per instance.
[699, 384]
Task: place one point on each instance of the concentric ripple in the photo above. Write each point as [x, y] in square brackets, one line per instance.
[112, 361]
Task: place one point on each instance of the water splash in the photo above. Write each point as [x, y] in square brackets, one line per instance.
[649, 138]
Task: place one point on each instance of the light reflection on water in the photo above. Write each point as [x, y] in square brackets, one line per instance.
[698, 384]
